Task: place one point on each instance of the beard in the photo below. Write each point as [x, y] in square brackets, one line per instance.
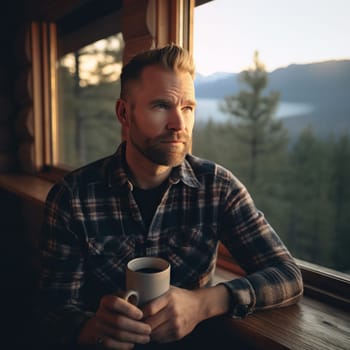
[160, 150]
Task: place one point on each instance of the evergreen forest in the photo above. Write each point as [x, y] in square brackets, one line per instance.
[302, 188]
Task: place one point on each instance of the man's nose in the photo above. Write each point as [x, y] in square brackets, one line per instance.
[176, 120]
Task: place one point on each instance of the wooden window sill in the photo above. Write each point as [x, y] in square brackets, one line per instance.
[310, 324]
[26, 186]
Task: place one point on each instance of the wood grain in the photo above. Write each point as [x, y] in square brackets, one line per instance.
[309, 325]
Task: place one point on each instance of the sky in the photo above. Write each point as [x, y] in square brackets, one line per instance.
[228, 32]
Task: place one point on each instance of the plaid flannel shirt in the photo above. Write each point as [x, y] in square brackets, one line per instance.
[93, 227]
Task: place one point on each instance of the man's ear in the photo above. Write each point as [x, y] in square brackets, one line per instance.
[121, 112]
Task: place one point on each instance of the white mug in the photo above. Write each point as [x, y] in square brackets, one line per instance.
[146, 279]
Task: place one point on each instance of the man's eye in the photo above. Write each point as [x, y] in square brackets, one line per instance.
[162, 106]
[188, 108]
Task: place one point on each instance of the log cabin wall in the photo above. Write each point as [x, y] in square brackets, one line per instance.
[20, 215]
[18, 264]
[8, 28]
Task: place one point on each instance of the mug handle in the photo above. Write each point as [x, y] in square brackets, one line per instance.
[132, 296]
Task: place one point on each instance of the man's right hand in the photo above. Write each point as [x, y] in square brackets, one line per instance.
[116, 325]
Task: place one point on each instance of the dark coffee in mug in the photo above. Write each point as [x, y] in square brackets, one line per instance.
[147, 278]
[148, 270]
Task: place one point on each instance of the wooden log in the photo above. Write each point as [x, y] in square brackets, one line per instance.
[22, 45]
[24, 87]
[25, 124]
[26, 157]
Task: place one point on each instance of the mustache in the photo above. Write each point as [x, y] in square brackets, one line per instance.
[174, 136]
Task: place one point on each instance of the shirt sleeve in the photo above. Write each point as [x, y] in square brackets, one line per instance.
[272, 278]
[61, 311]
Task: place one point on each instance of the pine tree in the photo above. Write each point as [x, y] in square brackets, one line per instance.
[255, 124]
[310, 233]
[88, 124]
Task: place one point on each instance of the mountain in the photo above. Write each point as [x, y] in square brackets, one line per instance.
[323, 82]
[324, 85]
[296, 82]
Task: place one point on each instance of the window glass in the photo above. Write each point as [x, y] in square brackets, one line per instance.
[88, 87]
[273, 90]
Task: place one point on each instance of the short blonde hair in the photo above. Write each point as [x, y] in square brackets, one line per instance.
[170, 57]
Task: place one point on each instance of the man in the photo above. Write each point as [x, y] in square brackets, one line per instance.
[152, 198]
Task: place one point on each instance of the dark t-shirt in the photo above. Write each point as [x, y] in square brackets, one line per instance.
[148, 201]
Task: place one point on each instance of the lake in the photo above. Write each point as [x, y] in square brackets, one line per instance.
[209, 108]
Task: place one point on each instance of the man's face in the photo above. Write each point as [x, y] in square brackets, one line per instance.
[161, 115]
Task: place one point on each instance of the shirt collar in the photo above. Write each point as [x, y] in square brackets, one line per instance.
[117, 175]
[184, 173]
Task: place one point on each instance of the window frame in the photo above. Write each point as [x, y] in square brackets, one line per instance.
[319, 282]
[43, 36]
[44, 40]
